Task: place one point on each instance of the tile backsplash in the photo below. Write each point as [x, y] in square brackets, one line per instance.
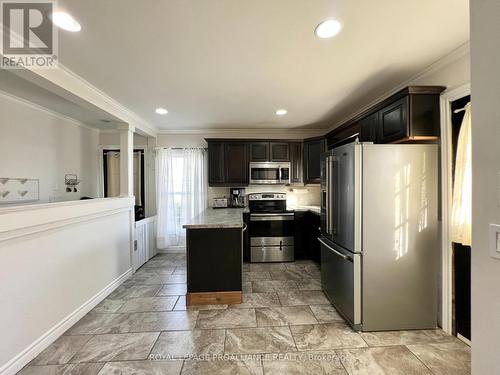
[296, 195]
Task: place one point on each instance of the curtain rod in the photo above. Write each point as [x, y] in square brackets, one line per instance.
[461, 109]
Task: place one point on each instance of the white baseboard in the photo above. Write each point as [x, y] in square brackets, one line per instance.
[23, 358]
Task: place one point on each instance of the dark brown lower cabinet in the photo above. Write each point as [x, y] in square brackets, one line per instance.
[306, 236]
[214, 260]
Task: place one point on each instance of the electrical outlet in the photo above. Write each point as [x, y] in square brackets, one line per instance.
[495, 241]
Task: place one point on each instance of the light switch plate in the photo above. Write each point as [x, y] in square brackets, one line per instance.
[495, 241]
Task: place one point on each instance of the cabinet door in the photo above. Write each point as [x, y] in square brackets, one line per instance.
[139, 248]
[312, 155]
[280, 151]
[259, 151]
[368, 128]
[215, 163]
[393, 121]
[296, 162]
[236, 162]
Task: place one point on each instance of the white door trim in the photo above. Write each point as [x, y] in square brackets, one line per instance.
[446, 192]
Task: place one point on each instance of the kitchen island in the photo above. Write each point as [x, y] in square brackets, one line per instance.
[214, 255]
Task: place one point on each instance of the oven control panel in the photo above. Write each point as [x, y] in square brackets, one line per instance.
[267, 196]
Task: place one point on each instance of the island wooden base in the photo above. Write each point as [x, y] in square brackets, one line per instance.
[213, 298]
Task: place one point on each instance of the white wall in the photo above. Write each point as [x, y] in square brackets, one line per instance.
[36, 143]
[57, 264]
[485, 89]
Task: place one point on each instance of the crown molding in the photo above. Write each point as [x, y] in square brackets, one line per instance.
[241, 131]
[46, 110]
[444, 61]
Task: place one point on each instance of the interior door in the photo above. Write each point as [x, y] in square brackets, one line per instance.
[342, 196]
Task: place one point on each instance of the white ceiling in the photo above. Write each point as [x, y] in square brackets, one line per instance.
[232, 63]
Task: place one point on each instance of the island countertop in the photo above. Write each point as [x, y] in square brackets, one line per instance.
[217, 218]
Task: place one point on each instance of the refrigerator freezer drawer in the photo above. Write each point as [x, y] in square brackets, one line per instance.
[341, 280]
[272, 254]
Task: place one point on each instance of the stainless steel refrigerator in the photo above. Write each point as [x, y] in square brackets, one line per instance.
[379, 234]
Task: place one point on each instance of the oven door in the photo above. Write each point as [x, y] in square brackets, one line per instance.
[271, 237]
[264, 173]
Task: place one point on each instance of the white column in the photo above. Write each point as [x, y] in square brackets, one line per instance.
[126, 160]
[151, 178]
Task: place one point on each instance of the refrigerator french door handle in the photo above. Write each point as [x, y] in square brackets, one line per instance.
[327, 195]
[345, 257]
[334, 195]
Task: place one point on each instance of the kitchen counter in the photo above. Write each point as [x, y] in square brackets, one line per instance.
[213, 218]
[313, 209]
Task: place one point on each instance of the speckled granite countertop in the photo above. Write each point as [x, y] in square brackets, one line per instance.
[217, 218]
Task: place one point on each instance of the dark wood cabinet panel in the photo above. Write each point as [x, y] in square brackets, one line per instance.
[312, 155]
[393, 121]
[342, 136]
[410, 115]
[215, 163]
[306, 236]
[259, 151]
[280, 151]
[296, 162]
[368, 128]
[236, 162]
[214, 260]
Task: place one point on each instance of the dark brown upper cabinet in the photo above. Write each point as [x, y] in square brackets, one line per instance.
[215, 163]
[236, 162]
[229, 159]
[368, 128]
[313, 149]
[296, 162]
[280, 151]
[410, 115]
[259, 151]
[393, 121]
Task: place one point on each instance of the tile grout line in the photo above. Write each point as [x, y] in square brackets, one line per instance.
[418, 359]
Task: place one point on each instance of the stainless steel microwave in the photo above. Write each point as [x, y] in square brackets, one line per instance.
[270, 173]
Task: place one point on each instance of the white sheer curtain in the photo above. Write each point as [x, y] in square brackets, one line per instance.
[461, 214]
[182, 190]
[113, 167]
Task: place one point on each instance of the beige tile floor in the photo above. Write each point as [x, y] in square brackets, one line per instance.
[284, 326]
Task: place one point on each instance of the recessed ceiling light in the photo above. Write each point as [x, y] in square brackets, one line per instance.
[65, 21]
[328, 29]
[281, 112]
[161, 111]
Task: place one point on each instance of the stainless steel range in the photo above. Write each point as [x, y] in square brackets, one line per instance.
[271, 228]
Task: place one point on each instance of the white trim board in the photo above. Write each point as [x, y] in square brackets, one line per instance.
[447, 195]
[23, 358]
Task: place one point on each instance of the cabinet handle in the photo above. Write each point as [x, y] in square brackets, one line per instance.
[244, 227]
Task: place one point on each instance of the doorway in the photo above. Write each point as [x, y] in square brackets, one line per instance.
[456, 303]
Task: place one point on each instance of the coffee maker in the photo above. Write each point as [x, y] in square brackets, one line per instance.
[237, 197]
